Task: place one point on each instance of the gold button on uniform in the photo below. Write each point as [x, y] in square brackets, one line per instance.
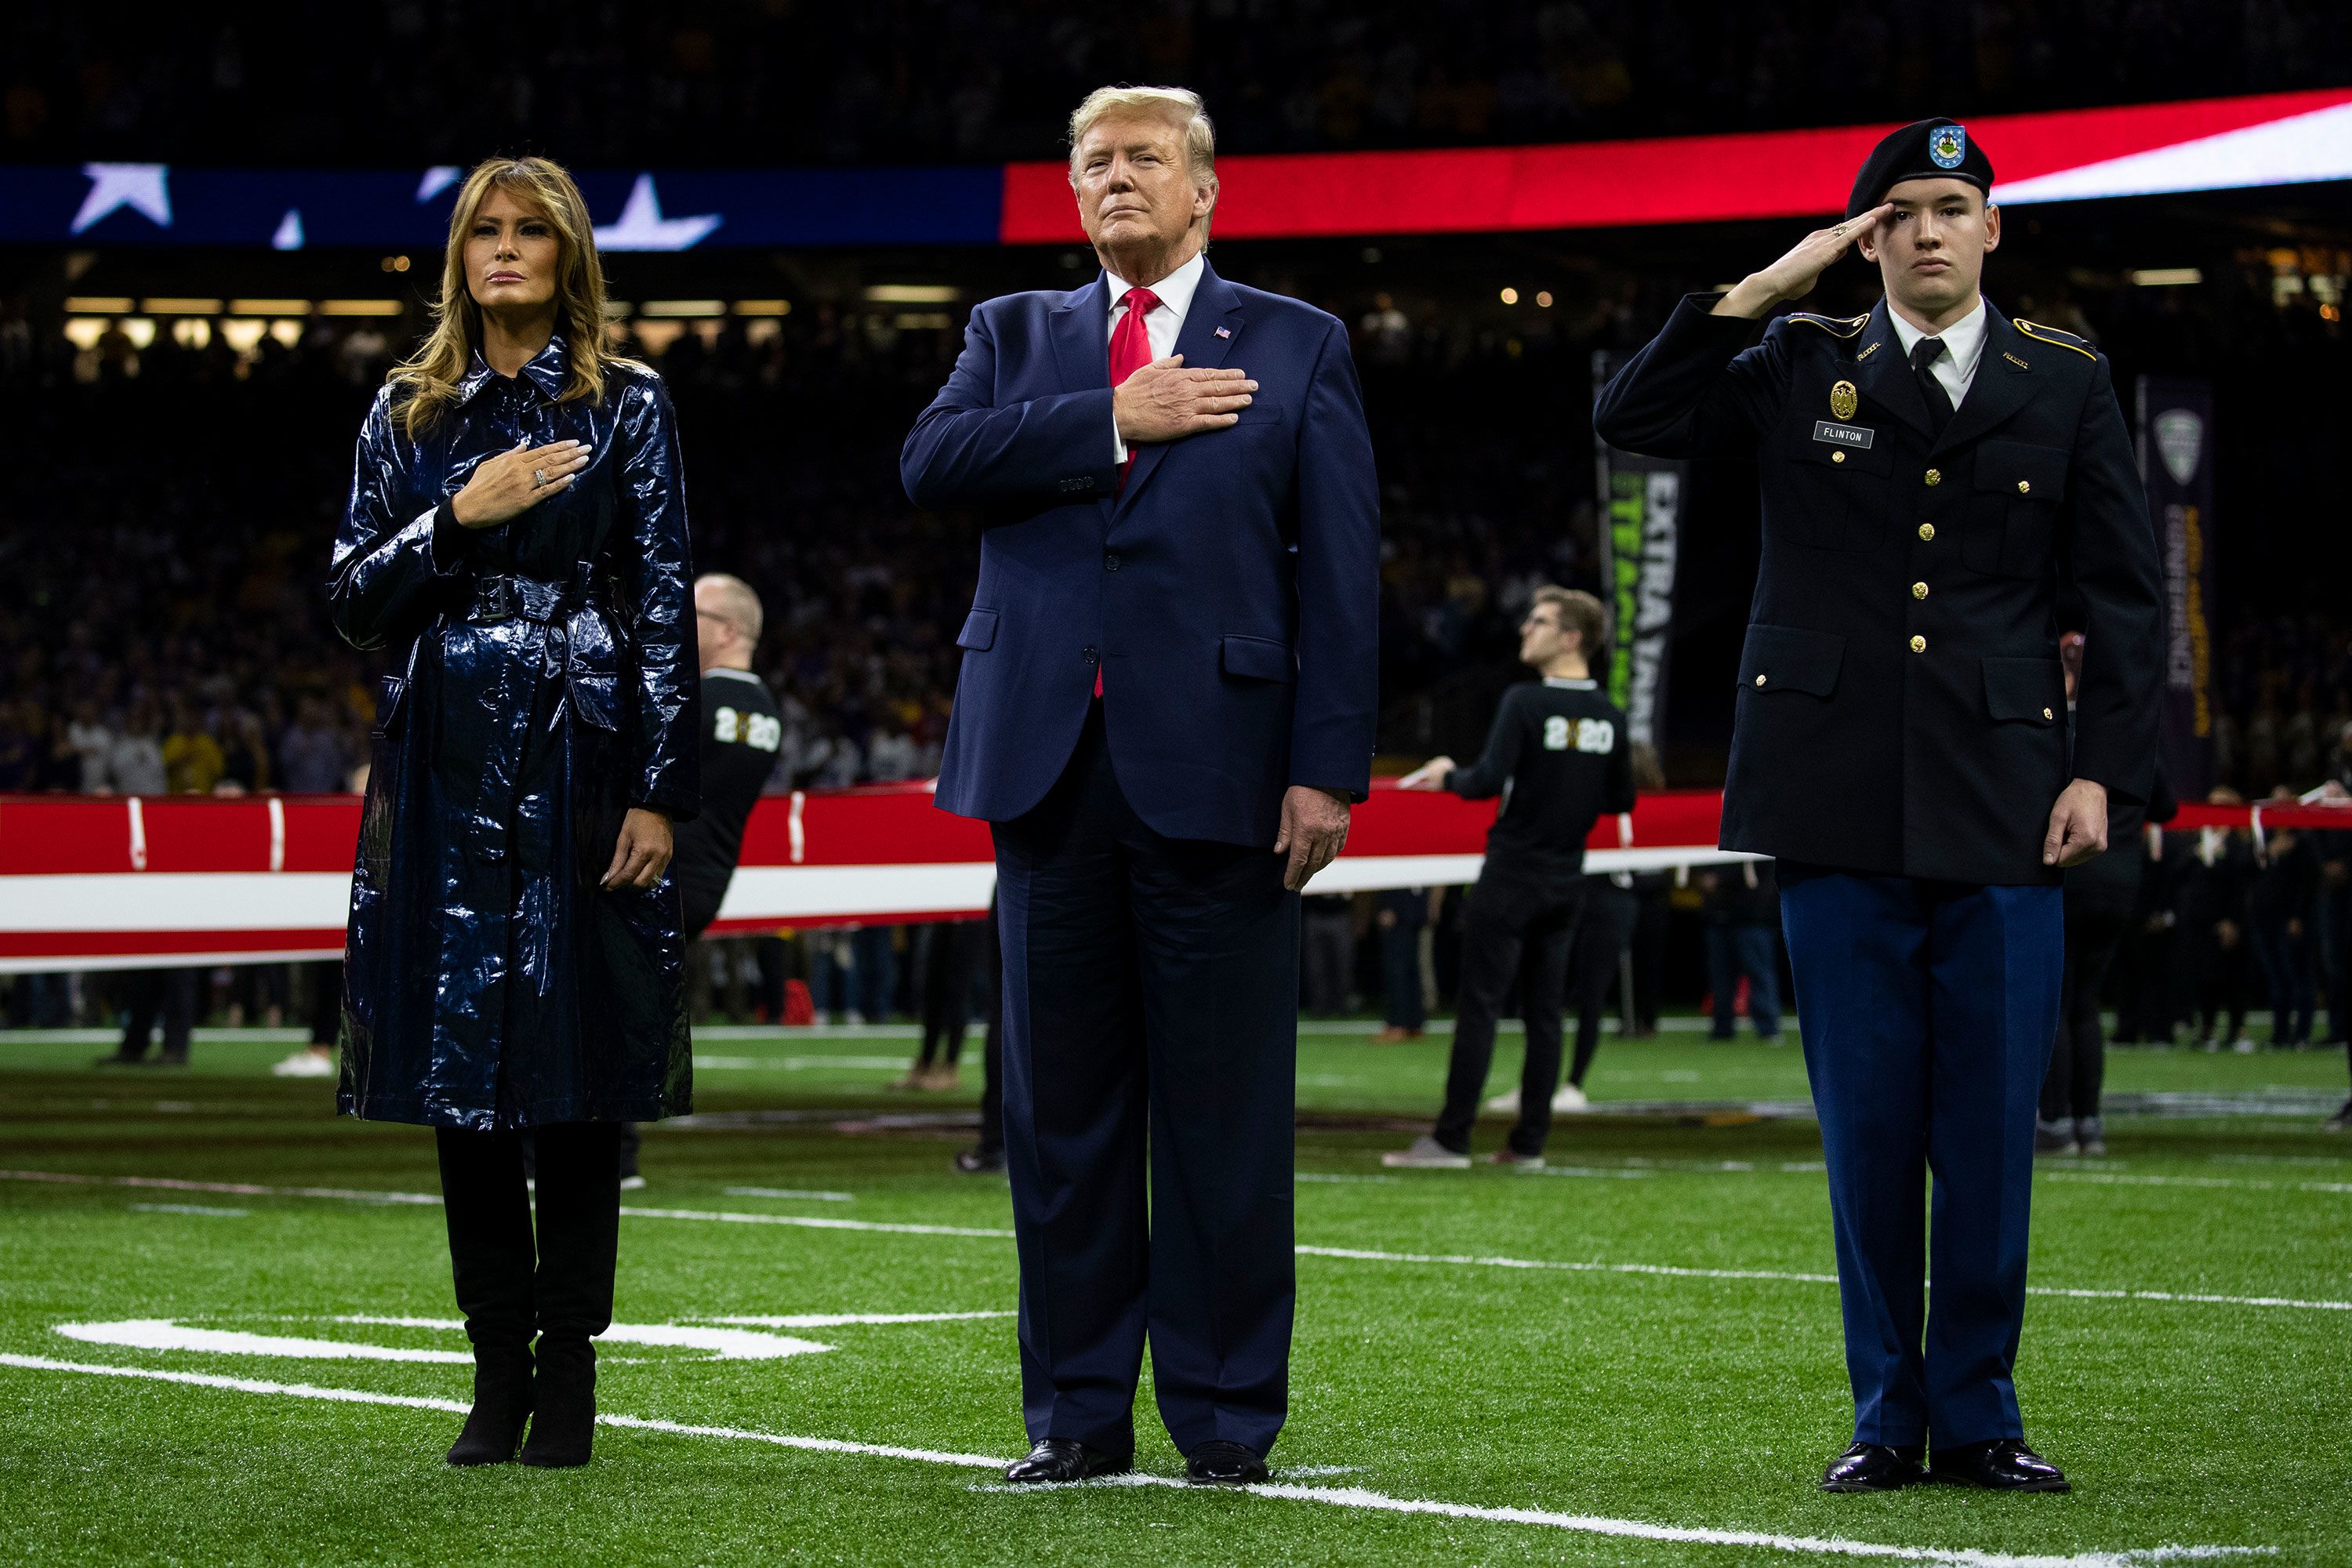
[1837, 456]
[1918, 590]
[1927, 533]
[1918, 645]
[2047, 714]
[2025, 487]
[1760, 680]
[1935, 476]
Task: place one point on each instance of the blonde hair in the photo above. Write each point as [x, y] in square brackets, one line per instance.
[426, 382]
[1180, 104]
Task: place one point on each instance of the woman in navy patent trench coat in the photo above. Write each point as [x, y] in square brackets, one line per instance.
[517, 534]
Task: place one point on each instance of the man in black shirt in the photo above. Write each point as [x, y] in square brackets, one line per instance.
[741, 735]
[1558, 756]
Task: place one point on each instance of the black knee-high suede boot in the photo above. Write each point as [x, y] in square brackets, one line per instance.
[579, 1241]
[491, 1261]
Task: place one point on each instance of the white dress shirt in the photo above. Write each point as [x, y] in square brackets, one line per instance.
[1964, 344]
[1174, 293]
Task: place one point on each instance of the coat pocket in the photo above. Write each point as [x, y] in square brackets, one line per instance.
[595, 699]
[1790, 659]
[391, 703]
[2025, 691]
[1257, 658]
[2021, 484]
[979, 634]
[1836, 493]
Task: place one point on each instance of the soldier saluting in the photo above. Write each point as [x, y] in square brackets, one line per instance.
[1929, 473]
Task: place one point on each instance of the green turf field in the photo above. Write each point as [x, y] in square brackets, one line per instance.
[1630, 1358]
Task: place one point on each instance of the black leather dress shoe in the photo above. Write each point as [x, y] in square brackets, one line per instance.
[1219, 1463]
[2003, 1465]
[1064, 1459]
[1873, 1468]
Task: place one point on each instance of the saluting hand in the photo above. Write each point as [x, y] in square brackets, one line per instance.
[513, 483]
[1164, 402]
[1793, 275]
[641, 854]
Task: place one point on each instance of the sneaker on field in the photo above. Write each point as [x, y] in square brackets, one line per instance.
[2054, 1138]
[633, 1183]
[2244, 1047]
[2339, 1122]
[1569, 1098]
[1506, 1102]
[1426, 1154]
[306, 1063]
[2090, 1137]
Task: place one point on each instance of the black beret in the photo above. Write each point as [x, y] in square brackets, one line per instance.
[1923, 149]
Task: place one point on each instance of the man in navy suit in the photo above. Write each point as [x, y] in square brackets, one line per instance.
[1166, 709]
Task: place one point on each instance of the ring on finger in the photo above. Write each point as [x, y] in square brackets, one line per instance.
[538, 479]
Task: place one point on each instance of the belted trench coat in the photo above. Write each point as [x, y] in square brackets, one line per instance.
[547, 683]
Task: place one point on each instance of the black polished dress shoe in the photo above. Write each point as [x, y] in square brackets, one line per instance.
[1219, 1463]
[1064, 1459]
[1873, 1468]
[2003, 1465]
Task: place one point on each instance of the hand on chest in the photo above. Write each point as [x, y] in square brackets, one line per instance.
[1858, 463]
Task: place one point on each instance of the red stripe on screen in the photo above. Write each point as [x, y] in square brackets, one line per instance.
[1605, 184]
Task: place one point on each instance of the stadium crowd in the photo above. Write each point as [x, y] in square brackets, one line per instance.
[777, 83]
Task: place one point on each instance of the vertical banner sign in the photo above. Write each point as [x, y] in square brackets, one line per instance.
[1641, 531]
[2176, 467]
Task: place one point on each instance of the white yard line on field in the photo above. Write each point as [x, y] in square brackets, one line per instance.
[1344, 1254]
[811, 1222]
[1468, 1260]
[2248, 1184]
[241, 1189]
[1356, 1498]
[798, 1064]
[793, 1193]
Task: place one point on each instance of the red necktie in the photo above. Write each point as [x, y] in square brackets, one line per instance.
[1130, 350]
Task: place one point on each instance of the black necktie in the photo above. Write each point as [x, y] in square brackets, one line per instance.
[1924, 354]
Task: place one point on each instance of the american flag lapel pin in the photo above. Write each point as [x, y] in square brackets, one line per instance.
[1225, 332]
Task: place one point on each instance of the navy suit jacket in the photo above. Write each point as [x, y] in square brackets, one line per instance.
[1229, 595]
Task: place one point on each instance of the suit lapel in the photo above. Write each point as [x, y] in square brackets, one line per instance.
[1214, 305]
[2004, 383]
[1884, 374]
[1080, 326]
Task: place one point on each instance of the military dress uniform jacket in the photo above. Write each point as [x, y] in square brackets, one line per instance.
[1901, 708]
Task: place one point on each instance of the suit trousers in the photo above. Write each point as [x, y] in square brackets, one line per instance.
[1150, 1012]
[1927, 1011]
[1517, 927]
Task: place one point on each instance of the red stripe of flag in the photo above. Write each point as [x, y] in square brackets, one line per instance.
[1603, 184]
